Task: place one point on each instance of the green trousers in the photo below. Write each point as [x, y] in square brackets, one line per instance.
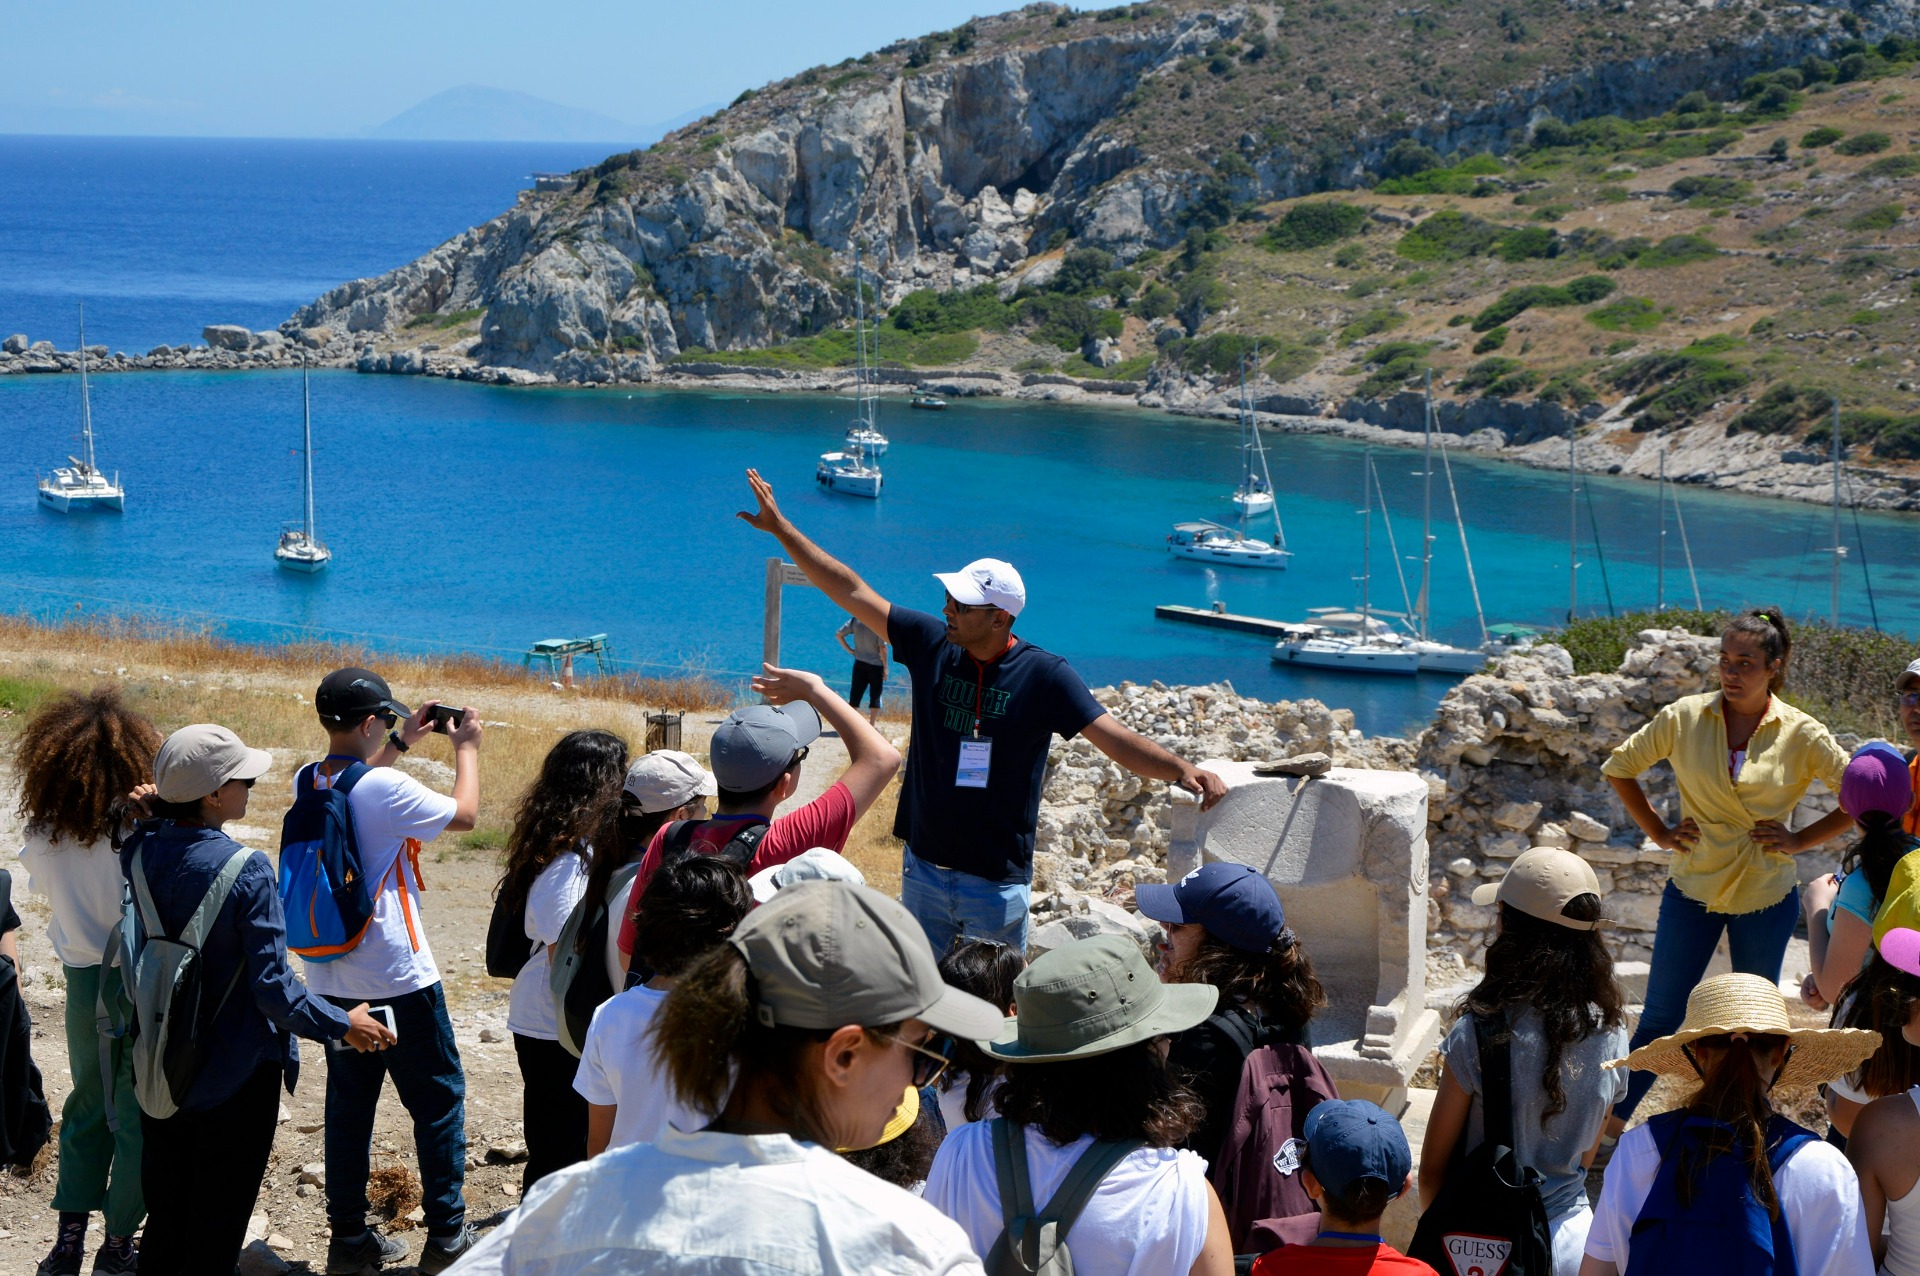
[99, 1170]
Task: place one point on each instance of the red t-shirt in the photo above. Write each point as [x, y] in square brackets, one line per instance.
[825, 821]
[1339, 1260]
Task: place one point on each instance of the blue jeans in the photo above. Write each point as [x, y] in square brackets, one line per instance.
[950, 904]
[425, 1066]
[1683, 944]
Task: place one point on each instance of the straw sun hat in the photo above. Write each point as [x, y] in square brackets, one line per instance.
[1750, 1004]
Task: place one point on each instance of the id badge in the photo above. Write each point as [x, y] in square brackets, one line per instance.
[976, 758]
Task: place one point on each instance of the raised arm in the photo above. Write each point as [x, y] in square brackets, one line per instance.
[871, 761]
[834, 578]
[1143, 757]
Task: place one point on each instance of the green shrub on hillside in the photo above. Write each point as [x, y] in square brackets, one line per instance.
[1825, 135]
[1676, 250]
[1708, 190]
[1220, 353]
[1457, 179]
[1498, 377]
[1784, 409]
[1676, 385]
[1588, 289]
[1156, 302]
[1290, 359]
[1495, 338]
[927, 311]
[1314, 226]
[1526, 242]
[1370, 324]
[1629, 314]
[1066, 322]
[1449, 236]
[1408, 158]
[1893, 166]
[1567, 388]
[1884, 217]
[1863, 144]
[1579, 292]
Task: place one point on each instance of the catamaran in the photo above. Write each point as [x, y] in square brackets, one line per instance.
[300, 547]
[79, 484]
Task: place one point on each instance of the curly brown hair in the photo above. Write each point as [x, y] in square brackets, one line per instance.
[1129, 1093]
[575, 799]
[1280, 983]
[78, 756]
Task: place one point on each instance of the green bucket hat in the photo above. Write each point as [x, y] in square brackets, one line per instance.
[1092, 997]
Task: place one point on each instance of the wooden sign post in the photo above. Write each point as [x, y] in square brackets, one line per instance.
[779, 572]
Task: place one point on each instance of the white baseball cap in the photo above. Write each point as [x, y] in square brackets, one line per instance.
[668, 778]
[817, 865]
[986, 582]
[1908, 677]
[197, 760]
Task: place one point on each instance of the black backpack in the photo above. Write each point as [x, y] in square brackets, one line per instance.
[1490, 1215]
[508, 948]
[677, 844]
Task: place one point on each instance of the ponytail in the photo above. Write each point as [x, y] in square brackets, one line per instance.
[1733, 1094]
[1882, 843]
[1767, 627]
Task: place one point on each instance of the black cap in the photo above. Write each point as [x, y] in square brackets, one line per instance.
[348, 696]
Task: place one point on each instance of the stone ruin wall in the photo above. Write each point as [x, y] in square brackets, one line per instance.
[1511, 760]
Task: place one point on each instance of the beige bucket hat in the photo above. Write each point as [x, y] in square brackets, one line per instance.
[1750, 1004]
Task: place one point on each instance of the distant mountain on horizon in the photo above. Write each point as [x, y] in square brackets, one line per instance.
[479, 113]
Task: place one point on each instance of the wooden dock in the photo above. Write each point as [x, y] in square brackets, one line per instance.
[1277, 630]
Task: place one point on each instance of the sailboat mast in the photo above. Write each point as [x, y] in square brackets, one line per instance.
[306, 451]
[1573, 532]
[1839, 550]
[1466, 555]
[1366, 549]
[1426, 514]
[86, 405]
[1660, 573]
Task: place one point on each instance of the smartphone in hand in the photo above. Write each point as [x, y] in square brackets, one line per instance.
[383, 1013]
[445, 714]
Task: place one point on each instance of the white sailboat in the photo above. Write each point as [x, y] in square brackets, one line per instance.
[300, 546]
[851, 470]
[1225, 546]
[1436, 656]
[1351, 641]
[1255, 493]
[79, 484]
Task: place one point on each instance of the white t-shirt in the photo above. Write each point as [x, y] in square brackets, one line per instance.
[1819, 1196]
[388, 807]
[83, 886]
[550, 902]
[1148, 1217]
[721, 1205]
[618, 1069]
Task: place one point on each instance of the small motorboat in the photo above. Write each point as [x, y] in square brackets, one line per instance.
[931, 403]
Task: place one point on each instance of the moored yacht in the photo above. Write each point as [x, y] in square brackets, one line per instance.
[300, 546]
[1214, 543]
[79, 484]
[848, 472]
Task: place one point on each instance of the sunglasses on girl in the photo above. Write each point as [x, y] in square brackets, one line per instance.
[928, 1066]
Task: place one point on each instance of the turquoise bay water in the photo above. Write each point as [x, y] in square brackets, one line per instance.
[485, 518]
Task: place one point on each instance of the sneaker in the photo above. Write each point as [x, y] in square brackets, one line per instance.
[443, 1251]
[113, 1262]
[61, 1263]
[366, 1254]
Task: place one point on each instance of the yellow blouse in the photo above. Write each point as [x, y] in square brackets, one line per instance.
[1727, 870]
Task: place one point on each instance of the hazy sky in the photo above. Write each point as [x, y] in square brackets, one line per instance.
[335, 69]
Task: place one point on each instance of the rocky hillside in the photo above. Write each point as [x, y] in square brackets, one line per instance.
[1674, 221]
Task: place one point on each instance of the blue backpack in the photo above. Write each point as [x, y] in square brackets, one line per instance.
[323, 889]
[1724, 1230]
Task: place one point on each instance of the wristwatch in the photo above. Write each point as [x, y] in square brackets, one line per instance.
[393, 738]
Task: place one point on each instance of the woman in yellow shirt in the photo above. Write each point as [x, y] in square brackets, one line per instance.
[1743, 759]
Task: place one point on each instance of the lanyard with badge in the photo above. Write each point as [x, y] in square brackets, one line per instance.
[976, 754]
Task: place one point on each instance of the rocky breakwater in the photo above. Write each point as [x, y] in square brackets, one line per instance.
[228, 347]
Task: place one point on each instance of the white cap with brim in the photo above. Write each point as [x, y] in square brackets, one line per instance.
[195, 761]
[986, 582]
[817, 865]
[666, 779]
[1908, 677]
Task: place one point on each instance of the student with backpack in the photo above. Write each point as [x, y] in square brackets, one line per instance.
[661, 787]
[1723, 1183]
[796, 1036]
[1885, 1146]
[376, 950]
[1353, 1160]
[216, 1005]
[691, 908]
[1085, 1155]
[571, 809]
[1249, 1061]
[1549, 1013]
[76, 759]
[756, 755]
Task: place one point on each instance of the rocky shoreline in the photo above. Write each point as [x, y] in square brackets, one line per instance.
[1532, 434]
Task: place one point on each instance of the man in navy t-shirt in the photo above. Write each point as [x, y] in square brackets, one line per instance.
[986, 705]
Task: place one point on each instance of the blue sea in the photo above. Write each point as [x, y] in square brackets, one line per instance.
[484, 518]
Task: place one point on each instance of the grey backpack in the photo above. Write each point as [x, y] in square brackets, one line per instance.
[162, 981]
[1034, 1242]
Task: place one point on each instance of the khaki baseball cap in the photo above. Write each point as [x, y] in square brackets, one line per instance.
[1541, 883]
[668, 778]
[826, 954]
[197, 760]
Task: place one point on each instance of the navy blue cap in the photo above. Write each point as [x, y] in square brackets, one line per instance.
[1352, 1139]
[1237, 905]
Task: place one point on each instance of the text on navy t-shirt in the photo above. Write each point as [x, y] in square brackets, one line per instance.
[1027, 697]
